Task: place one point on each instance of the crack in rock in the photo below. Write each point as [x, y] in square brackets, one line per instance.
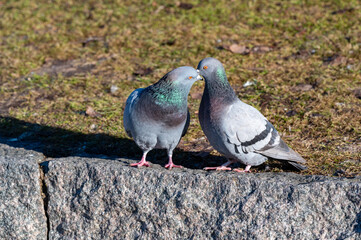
[43, 168]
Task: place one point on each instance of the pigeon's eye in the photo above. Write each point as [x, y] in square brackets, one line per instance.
[190, 77]
[205, 67]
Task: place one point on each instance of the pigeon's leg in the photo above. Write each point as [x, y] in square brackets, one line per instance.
[220, 168]
[142, 162]
[247, 169]
[171, 165]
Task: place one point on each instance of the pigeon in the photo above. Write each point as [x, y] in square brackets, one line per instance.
[235, 129]
[157, 117]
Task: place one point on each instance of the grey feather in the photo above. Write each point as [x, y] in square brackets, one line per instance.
[157, 116]
[185, 129]
[129, 105]
[282, 152]
[234, 128]
[298, 166]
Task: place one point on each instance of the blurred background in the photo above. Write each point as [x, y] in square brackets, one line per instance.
[67, 67]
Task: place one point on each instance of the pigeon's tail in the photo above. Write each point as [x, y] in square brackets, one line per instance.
[283, 152]
[298, 166]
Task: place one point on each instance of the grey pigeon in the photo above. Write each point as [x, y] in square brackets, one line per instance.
[157, 116]
[235, 129]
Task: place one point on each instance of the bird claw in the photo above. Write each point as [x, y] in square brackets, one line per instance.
[220, 168]
[171, 165]
[140, 164]
[241, 170]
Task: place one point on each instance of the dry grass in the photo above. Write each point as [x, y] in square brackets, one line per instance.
[57, 59]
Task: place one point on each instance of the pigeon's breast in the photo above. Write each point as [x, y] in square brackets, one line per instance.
[174, 119]
[218, 108]
[170, 116]
[211, 118]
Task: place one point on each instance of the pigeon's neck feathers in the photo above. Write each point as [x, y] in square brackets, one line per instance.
[165, 93]
[218, 86]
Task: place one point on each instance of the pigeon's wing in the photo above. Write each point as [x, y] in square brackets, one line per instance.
[250, 131]
[129, 106]
[187, 123]
[283, 152]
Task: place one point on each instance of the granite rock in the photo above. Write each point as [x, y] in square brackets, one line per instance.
[106, 199]
[22, 214]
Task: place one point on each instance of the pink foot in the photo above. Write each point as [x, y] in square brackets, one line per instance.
[247, 169]
[220, 168]
[140, 164]
[224, 167]
[171, 165]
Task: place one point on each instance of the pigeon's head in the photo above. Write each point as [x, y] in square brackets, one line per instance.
[212, 70]
[183, 76]
[173, 88]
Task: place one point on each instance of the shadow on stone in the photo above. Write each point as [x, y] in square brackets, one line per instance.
[57, 142]
[357, 227]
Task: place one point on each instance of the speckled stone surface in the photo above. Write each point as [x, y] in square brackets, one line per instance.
[22, 213]
[107, 199]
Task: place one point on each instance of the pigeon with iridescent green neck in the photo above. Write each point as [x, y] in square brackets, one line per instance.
[235, 129]
[158, 116]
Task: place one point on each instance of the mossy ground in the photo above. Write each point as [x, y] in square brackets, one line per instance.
[57, 58]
